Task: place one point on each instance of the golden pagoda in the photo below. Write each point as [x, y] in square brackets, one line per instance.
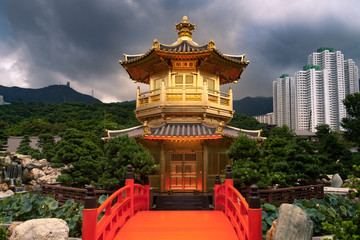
[183, 112]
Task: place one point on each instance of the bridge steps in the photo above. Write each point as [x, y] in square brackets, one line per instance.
[172, 203]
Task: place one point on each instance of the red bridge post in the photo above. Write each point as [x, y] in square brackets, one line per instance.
[89, 214]
[217, 185]
[129, 176]
[228, 182]
[254, 212]
[147, 191]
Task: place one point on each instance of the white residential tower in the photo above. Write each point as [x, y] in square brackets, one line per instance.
[319, 90]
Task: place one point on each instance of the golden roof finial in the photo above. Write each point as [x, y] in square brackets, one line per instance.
[211, 44]
[185, 28]
[156, 44]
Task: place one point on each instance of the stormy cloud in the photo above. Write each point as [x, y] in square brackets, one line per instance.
[44, 42]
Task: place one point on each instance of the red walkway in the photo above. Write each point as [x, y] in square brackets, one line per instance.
[161, 225]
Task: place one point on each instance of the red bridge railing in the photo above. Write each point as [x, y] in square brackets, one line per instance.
[244, 217]
[119, 207]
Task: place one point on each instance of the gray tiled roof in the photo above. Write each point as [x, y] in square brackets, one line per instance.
[183, 130]
[183, 46]
[233, 132]
[131, 132]
[305, 133]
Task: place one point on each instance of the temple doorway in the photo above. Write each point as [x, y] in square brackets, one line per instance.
[183, 171]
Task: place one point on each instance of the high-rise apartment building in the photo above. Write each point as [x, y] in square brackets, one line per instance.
[311, 99]
[351, 76]
[319, 90]
[267, 118]
[284, 101]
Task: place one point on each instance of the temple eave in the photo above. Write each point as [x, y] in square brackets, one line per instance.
[190, 138]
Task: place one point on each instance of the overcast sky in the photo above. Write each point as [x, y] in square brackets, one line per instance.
[45, 42]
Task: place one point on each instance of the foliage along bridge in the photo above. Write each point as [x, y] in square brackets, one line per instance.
[126, 215]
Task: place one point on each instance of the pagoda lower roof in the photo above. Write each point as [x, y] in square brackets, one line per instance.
[193, 131]
[183, 130]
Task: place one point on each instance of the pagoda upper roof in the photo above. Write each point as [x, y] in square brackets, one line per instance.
[160, 57]
[183, 47]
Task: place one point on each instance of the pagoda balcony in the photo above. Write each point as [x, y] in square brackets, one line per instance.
[182, 100]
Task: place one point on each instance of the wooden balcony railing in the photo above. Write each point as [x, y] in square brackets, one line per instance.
[168, 95]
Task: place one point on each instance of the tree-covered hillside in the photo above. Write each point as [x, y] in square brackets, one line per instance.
[35, 118]
[51, 94]
[252, 106]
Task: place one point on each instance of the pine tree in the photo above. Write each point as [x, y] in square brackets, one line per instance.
[24, 147]
[3, 137]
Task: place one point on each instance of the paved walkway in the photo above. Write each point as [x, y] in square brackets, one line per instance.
[14, 142]
[176, 225]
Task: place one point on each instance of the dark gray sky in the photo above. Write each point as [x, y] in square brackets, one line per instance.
[45, 42]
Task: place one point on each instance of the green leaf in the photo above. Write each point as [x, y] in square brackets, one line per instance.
[6, 219]
[49, 201]
[321, 217]
[6, 207]
[81, 211]
[71, 224]
[76, 218]
[69, 202]
[59, 213]
[307, 203]
[331, 212]
[27, 207]
[333, 200]
[269, 207]
[264, 215]
[102, 198]
[41, 210]
[53, 205]
[40, 201]
[343, 211]
[264, 226]
[352, 212]
[270, 220]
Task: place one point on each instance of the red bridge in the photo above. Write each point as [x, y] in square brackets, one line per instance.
[126, 215]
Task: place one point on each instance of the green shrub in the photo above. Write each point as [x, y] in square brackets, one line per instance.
[269, 214]
[31, 206]
[3, 233]
[329, 216]
[348, 229]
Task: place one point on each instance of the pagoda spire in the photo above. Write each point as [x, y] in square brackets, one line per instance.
[185, 29]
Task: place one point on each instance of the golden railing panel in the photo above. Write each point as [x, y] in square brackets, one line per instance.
[224, 101]
[213, 98]
[143, 101]
[174, 97]
[193, 97]
[155, 98]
